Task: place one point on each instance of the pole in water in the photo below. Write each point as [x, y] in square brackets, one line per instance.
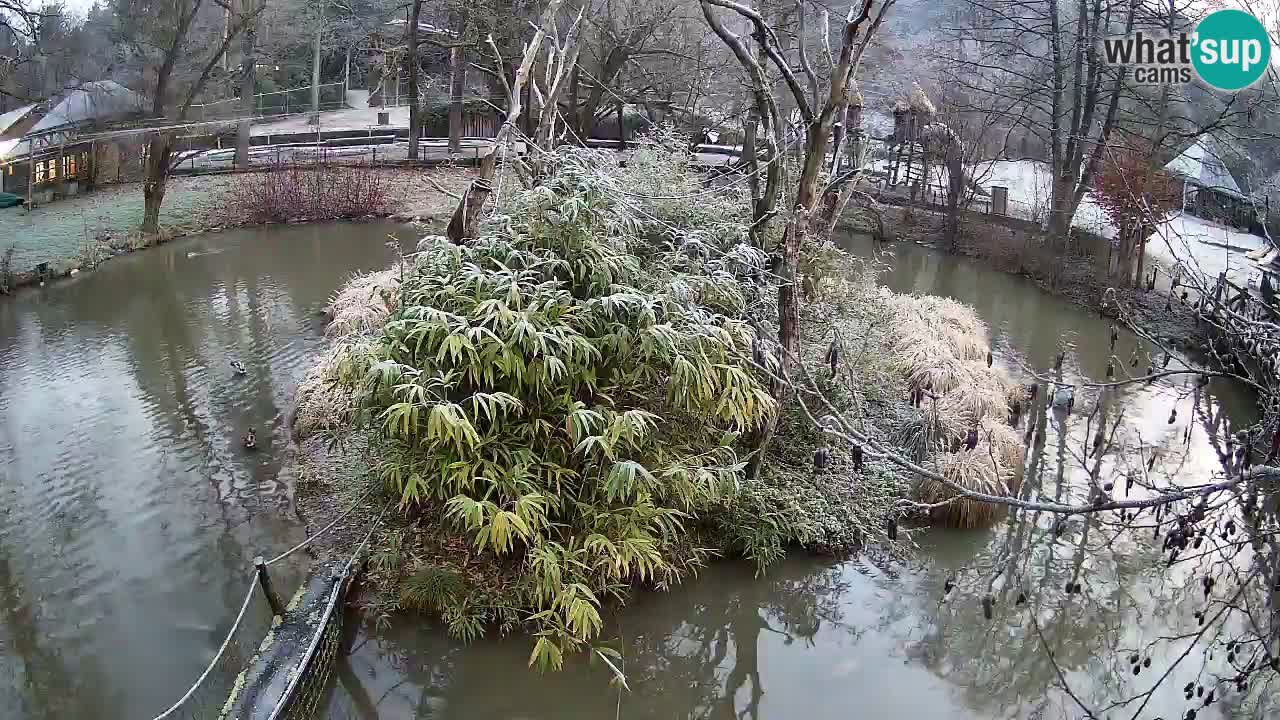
[277, 607]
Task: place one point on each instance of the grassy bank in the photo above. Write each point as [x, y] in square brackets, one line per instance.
[79, 233]
[565, 410]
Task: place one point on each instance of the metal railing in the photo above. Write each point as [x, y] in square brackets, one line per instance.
[279, 102]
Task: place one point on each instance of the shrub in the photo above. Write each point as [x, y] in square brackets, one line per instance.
[569, 411]
[329, 192]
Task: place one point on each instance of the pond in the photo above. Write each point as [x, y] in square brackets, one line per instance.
[130, 513]
[868, 638]
[129, 510]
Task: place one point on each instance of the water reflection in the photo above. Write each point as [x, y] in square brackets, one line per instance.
[823, 639]
[808, 640]
[128, 508]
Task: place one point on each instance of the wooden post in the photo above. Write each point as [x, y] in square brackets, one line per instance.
[31, 172]
[622, 129]
[277, 607]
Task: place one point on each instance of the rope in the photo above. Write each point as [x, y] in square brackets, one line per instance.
[253, 583]
[328, 612]
[323, 530]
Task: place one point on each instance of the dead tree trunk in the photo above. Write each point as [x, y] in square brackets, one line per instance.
[466, 216]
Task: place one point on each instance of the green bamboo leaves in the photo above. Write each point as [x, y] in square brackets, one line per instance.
[572, 413]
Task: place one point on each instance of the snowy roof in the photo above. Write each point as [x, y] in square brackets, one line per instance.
[1201, 165]
[102, 100]
[8, 119]
[423, 27]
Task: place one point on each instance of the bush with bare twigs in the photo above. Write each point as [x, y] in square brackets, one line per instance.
[332, 192]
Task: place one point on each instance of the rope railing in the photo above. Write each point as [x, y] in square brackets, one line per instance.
[321, 532]
[296, 677]
[244, 607]
[254, 583]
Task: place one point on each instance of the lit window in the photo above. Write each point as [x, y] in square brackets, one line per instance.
[53, 170]
[40, 171]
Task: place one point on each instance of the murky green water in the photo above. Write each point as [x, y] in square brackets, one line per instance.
[864, 639]
[128, 509]
[129, 513]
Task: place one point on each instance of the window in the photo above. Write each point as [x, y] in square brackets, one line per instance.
[69, 166]
[53, 170]
[40, 172]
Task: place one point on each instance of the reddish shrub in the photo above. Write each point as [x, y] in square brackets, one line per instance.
[330, 192]
[1132, 191]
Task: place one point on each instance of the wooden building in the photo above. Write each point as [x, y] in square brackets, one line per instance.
[45, 148]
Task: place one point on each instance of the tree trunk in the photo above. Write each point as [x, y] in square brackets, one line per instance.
[248, 84]
[622, 128]
[315, 66]
[789, 268]
[159, 148]
[575, 84]
[411, 64]
[457, 86]
[1062, 209]
[751, 164]
[955, 192]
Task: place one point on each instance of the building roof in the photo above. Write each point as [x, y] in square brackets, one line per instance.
[101, 100]
[12, 117]
[1202, 165]
[104, 100]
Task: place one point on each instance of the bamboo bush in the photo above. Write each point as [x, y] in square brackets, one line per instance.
[565, 405]
[568, 411]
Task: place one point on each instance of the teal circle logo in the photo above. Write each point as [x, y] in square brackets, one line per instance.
[1231, 49]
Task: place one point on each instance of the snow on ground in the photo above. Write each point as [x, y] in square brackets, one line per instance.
[357, 117]
[1211, 247]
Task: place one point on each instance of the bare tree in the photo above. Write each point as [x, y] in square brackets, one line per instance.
[818, 113]
[249, 9]
[19, 36]
[162, 33]
[624, 32]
